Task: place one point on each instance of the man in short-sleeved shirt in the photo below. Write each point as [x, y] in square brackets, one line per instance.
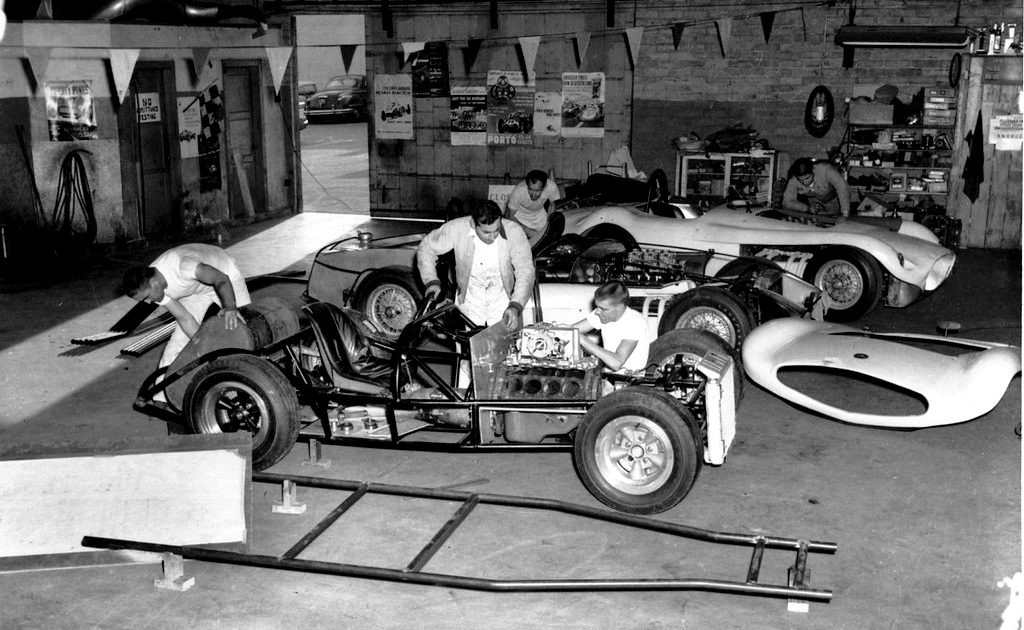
[626, 343]
[530, 203]
[187, 280]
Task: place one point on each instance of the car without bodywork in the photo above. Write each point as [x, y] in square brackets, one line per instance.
[638, 449]
[376, 277]
[950, 380]
[343, 96]
[858, 262]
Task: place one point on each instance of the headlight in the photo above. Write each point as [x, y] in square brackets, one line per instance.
[939, 272]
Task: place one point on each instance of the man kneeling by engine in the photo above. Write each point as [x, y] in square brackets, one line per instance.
[626, 344]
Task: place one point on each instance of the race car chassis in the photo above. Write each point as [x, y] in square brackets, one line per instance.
[797, 589]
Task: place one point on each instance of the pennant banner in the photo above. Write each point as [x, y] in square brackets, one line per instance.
[277, 57]
[677, 34]
[633, 36]
[724, 27]
[582, 41]
[122, 65]
[411, 48]
[529, 46]
[348, 52]
[38, 60]
[767, 20]
[470, 52]
[200, 57]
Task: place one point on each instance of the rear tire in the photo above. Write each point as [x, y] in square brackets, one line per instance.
[245, 393]
[388, 299]
[637, 451]
[712, 309]
[693, 345]
[852, 279]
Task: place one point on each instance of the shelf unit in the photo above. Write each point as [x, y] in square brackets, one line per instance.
[893, 161]
[704, 179]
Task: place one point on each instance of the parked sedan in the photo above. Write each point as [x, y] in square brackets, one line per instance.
[857, 262]
[342, 97]
[377, 278]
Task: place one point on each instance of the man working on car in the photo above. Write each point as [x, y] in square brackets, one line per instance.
[530, 203]
[494, 270]
[626, 342]
[187, 280]
[816, 188]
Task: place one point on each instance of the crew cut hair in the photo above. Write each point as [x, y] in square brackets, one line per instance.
[613, 290]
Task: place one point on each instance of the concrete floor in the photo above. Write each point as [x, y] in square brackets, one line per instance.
[926, 521]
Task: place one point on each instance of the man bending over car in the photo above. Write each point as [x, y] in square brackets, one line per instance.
[625, 340]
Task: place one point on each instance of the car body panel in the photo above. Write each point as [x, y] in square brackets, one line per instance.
[955, 388]
[911, 255]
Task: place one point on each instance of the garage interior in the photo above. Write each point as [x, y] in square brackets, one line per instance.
[927, 522]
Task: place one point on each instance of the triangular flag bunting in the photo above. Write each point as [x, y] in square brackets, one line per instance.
[633, 37]
[582, 41]
[411, 48]
[470, 52]
[724, 32]
[529, 46]
[348, 52]
[277, 57]
[122, 65]
[45, 10]
[677, 34]
[767, 20]
[199, 58]
[803, 24]
[38, 60]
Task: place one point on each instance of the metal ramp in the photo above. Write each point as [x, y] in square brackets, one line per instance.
[796, 589]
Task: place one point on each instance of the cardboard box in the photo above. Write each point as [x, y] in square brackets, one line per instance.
[865, 113]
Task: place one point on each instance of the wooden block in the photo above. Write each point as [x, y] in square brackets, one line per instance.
[178, 490]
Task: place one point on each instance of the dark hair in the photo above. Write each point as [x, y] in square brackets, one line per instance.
[803, 166]
[136, 278]
[613, 290]
[486, 212]
[537, 176]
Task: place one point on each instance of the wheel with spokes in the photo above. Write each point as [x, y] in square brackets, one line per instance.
[388, 299]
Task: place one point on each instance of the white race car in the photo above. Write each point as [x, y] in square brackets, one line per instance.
[858, 262]
[377, 278]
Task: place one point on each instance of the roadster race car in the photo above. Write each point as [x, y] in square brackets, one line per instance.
[858, 262]
[637, 449]
[376, 277]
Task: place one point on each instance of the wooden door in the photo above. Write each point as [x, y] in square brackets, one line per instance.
[155, 123]
[246, 183]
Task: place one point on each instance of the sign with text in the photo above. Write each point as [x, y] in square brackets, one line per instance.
[149, 107]
[392, 96]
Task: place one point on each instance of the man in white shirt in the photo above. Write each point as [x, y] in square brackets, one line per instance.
[187, 280]
[625, 340]
[530, 203]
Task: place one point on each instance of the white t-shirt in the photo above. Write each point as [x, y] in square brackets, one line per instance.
[631, 325]
[178, 267]
[528, 212]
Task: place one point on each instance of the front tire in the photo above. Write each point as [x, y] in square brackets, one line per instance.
[245, 393]
[711, 309]
[388, 299]
[852, 279]
[638, 451]
[693, 345]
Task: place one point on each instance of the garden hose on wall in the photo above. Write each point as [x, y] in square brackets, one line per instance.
[73, 193]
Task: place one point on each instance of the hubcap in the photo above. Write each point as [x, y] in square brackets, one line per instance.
[634, 455]
[390, 308]
[842, 282]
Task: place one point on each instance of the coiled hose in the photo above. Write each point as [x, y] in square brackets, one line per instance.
[73, 193]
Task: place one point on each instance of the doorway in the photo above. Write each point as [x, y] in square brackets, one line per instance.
[246, 187]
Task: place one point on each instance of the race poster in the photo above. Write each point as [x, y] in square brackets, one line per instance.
[430, 70]
[189, 126]
[392, 97]
[469, 115]
[509, 108]
[70, 110]
[547, 114]
[582, 104]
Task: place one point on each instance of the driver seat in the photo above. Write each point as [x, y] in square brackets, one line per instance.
[346, 352]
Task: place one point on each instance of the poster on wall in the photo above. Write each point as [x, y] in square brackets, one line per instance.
[188, 126]
[70, 110]
[582, 104]
[509, 108]
[469, 115]
[392, 95]
[430, 70]
[148, 107]
[547, 114]
[211, 109]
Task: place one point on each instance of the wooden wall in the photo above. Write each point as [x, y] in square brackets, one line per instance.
[991, 86]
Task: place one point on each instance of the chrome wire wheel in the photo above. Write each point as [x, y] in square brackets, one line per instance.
[843, 282]
[391, 308]
[711, 320]
[633, 455]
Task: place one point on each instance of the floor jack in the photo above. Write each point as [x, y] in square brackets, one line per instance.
[796, 589]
